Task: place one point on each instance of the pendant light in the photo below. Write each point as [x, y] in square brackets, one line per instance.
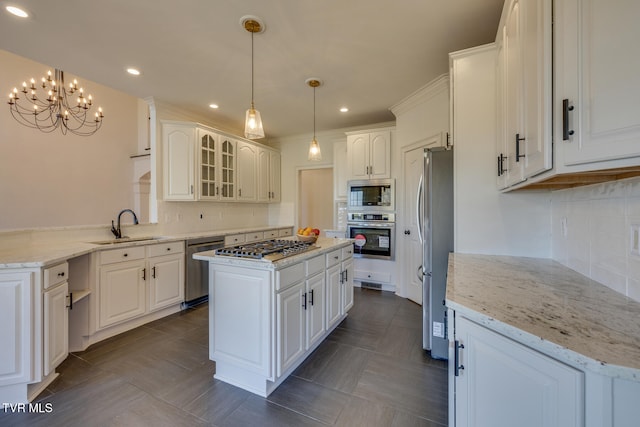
[253, 123]
[314, 148]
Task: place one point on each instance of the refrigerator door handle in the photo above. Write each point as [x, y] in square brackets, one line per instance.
[418, 211]
[420, 273]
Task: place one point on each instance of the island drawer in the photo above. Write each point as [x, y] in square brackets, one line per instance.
[315, 265]
[165, 249]
[289, 276]
[333, 257]
[56, 274]
[124, 254]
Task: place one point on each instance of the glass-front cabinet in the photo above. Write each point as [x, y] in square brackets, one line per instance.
[217, 166]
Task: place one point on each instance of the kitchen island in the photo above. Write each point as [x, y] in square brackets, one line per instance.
[266, 317]
[536, 343]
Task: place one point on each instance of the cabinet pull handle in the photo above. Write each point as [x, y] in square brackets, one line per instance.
[61, 274]
[217, 190]
[144, 274]
[458, 366]
[346, 275]
[566, 132]
[499, 164]
[239, 192]
[191, 189]
[311, 297]
[518, 155]
[70, 296]
[153, 272]
[304, 300]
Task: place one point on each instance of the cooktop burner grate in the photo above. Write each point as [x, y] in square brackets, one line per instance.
[271, 250]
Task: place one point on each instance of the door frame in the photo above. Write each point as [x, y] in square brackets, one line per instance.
[300, 169]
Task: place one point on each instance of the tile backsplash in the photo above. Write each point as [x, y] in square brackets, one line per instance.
[592, 233]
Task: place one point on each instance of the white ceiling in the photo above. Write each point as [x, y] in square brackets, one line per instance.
[370, 54]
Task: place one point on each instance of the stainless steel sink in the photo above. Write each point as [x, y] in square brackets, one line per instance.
[126, 240]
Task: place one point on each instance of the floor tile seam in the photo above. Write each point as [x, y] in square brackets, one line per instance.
[298, 412]
[396, 407]
[153, 396]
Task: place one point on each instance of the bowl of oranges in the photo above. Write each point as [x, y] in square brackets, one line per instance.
[307, 234]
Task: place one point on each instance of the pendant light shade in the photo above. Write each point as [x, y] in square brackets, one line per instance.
[314, 147]
[253, 122]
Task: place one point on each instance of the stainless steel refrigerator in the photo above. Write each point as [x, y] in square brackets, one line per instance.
[435, 226]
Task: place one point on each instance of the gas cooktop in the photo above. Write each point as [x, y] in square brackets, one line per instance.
[270, 250]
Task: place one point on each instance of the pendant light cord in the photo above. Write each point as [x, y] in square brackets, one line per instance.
[314, 112]
[252, 70]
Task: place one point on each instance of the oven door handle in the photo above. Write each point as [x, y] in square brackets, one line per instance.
[418, 210]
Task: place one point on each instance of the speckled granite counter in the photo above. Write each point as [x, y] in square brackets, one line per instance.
[323, 244]
[35, 254]
[550, 308]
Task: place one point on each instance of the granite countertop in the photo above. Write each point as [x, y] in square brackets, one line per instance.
[36, 254]
[324, 245]
[550, 308]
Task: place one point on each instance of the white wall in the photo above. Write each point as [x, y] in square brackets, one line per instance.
[55, 180]
[592, 233]
[487, 221]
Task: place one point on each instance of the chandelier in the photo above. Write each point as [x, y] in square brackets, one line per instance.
[55, 107]
[253, 122]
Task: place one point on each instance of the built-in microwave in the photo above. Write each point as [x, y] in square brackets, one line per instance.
[371, 195]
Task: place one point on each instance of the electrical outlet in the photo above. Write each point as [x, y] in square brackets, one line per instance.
[201, 216]
[635, 239]
[438, 329]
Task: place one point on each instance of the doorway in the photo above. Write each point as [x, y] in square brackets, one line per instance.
[315, 198]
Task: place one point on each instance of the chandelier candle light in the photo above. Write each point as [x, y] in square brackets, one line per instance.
[253, 123]
[57, 109]
[314, 148]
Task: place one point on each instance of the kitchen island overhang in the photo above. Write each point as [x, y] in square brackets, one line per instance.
[266, 317]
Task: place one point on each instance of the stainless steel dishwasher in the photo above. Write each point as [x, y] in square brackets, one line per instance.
[197, 272]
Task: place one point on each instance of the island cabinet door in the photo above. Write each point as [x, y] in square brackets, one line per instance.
[291, 309]
[501, 382]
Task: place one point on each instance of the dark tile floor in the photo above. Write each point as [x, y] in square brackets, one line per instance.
[371, 371]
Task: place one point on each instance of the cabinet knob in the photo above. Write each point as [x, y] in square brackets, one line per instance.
[168, 249]
[125, 255]
[61, 274]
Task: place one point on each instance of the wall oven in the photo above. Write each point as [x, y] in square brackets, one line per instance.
[373, 234]
[371, 195]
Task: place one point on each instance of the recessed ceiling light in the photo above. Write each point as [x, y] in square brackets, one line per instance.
[17, 11]
[213, 106]
[344, 109]
[133, 71]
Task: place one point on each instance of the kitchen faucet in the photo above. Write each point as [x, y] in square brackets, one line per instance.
[116, 231]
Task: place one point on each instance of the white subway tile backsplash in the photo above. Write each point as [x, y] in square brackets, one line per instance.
[597, 242]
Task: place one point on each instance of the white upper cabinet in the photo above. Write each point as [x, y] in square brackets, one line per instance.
[598, 74]
[369, 155]
[524, 91]
[178, 143]
[200, 163]
[247, 168]
[268, 175]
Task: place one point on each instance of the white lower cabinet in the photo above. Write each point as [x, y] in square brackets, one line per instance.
[56, 326]
[339, 283]
[300, 312]
[138, 280]
[264, 323]
[17, 310]
[500, 382]
[121, 292]
[334, 289]
[166, 285]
